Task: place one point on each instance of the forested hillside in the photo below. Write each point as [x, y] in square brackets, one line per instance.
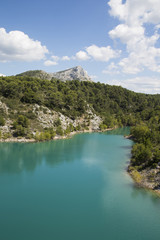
[72, 97]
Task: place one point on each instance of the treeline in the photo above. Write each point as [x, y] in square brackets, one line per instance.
[117, 106]
[146, 151]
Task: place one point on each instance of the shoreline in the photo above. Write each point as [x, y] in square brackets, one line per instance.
[140, 180]
[57, 137]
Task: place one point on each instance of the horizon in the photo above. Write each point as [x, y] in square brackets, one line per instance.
[117, 42]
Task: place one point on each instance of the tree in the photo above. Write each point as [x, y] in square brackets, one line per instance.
[141, 154]
[2, 121]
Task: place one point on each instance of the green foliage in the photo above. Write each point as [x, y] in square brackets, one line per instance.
[141, 133]
[141, 154]
[102, 127]
[20, 125]
[72, 98]
[57, 122]
[146, 151]
[69, 129]
[78, 127]
[136, 175]
[21, 120]
[47, 135]
[59, 131]
[2, 121]
[6, 135]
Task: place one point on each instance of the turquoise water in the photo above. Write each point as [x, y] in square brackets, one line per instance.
[74, 189]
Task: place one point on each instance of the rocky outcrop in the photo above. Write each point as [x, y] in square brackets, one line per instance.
[42, 118]
[147, 178]
[47, 118]
[76, 73]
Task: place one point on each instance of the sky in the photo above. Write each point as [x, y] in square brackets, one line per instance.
[116, 41]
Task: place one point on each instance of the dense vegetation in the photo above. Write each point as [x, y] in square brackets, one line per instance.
[146, 151]
[116, 104]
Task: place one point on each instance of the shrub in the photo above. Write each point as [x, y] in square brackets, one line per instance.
[59, 131]
[2, 121]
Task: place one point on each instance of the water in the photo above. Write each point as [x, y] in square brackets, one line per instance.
[74, 189]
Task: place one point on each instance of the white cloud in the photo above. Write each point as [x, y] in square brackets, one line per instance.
[55, 58]
[81, 55]
[141, 48]
[93, 77]
[2, 75]
[136, 11]
[49, 63]
[140, 84]
[103, 54]
[112, 69]
[16, 45]
[65, 58]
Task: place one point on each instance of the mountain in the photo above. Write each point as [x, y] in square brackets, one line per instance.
[76, 73]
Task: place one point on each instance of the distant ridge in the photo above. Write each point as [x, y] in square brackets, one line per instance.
[75, 73]
[37, 74]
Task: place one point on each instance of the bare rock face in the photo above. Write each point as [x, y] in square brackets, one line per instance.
[76, 73]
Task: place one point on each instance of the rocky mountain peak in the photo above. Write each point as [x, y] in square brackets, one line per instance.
[75, 73]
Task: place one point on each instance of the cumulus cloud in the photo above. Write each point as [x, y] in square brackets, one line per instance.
[141, 48]
[65, 58]
[17, 45]
[140, 84]
[81, 55]
[49, 63]
[55, 58]
[112, 68]
[2, 75]
[103, 54]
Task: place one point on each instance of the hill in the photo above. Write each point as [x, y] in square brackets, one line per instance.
[75, 73]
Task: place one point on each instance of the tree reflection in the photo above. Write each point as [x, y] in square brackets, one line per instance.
[18, 157]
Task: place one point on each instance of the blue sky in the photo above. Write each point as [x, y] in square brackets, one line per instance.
[116, 41]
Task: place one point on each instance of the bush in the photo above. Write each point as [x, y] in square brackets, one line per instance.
[59, 131]
[141, 154]
[2, 121]
[21, 125]
[102, 126]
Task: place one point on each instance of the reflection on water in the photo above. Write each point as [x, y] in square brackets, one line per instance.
[16, 157]
[119, 131]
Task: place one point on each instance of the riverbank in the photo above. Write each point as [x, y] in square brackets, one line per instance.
[57, 137]
[148, 179]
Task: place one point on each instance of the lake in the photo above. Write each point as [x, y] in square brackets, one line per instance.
[74, 189]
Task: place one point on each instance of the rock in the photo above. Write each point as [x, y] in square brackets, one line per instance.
[76, 73]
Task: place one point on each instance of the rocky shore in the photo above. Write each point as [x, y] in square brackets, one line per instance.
[147, 178]
[57, 137]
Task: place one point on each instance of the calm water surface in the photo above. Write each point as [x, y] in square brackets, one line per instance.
[75, 189]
